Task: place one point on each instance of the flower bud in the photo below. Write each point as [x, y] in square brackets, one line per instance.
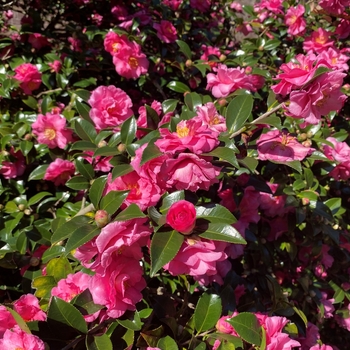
[188, 63]
[121, 148]
[102, 218]
[34, 261]
[21, 207]
[181, 217]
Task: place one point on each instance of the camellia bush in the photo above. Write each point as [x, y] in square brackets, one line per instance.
[174, 175]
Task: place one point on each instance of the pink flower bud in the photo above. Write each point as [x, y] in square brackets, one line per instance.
[182, 217]
[102, 218]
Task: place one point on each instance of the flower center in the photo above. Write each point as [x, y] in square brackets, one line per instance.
[112, 110]
[182, 131]
[133, 62]
[50, 134]
[215, 120]
[116, 47]
[293, 19]
[321, 39]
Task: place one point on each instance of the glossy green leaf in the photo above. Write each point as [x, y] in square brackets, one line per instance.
[96, 190]
[238, 111]
[150, 152]
[83, 110]
[121, 169]
[226, 154]
[223, 232]
[84, 168]
[170, 199]
[38, 197]
[133, 211]
[134, 324]
[207, 312]
[295, 164]
[38, 173]
[167, 343]
[83, 146]
[164, 247]
[272, 44]
[169, 105]
[128, 131]
[106, 151]
[179, 87]
[216, 213]
[26, 147]
[99, 342]
[83, 94]
[85, 130]
[59, 268]
[184, 48]
[53, 252]
[85, 301]
[19, 320]
[68, 228]
[249, 163]
[152, 117]
[113, 200]
[85, 82]
[228, 339]
[247, 326]
[65, 313]
[43, 286]
[192, 100]
[31, 102]
[81, 236]
[78, 183]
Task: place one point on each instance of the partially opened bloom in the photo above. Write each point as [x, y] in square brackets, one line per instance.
[7, 321]
[181, 216]
[27, 306]
[210, 116]
[51, 130]
[114, 42]
[29, 76]
[165, 31]
[294, 20]
[16, 338]
[59, 171]
[279, 146]
[318, 41]
[110, 106]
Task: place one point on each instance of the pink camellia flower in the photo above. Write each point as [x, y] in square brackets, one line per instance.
[295, 74]
[341, 154]
[343, 29]
[165, 31]
[119, 286]
[27, 306]
[210, 51]
[181, 216]
[114, 42]
[59, 171]
[274, 6]
[110, 106]
[99, 163]
[188, 172]
[130, 62]
[10, 170]
[75, 44]
[279, 146]
[29, 76]
[227, 80]
[7, 321]
[190, 134]
[71, 286]
[335, 7]
[142, 192]
[51, 130]
[335, 59]
[121, 238]
[322, 347]
[198, 258]
[16, 338]
[173, 4]
[319, 98]
[55, 66]
[200, 5]
[294, 20]
[209, 116]
[38, 41]
[318, 41]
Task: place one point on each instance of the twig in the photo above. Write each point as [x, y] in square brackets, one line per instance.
[85, 210]
[258, 120]
[47, 92]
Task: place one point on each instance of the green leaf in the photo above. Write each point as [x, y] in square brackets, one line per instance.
[184, 48]
[301, 315]
[113, 200]
[192, 100]
[152, 117]
[96, 190]
[26, 147]
[179, 87]
[38, 173]
[81, 236]
[133, 211]
[272, 44]
[134, 324]
[228, 339]
[31, 102]
[295, 164]
[121, 169]
[164, 247]
[85, 130]
[59, 268]
[171, 199]
[150, 152]
[207, 312]
[83, 146]
[215, 214]
[65, 313]
[169, 105]
[43, 286]
[83, 110]
[85, 82]
[84, 168]
[83, 94]
[249, 163]
[85, 301]
[19, 320]
[167, 343]
[238, 111]
[128, 131]
[99, 342]
[224, 153]
[106, 151]
[78, 183]
[223, 232]
[68, 228]
[53, 252]
[247, 326]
